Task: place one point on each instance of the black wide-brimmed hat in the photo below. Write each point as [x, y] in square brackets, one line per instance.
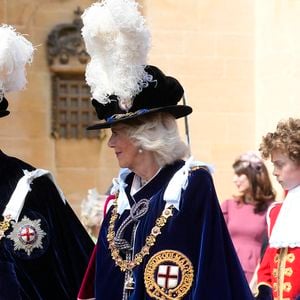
[122, 83]
[161, 94]
[3, 108]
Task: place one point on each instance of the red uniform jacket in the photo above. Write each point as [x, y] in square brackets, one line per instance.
[280, 268]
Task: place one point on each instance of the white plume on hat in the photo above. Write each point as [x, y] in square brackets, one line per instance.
[15, 52]
[118, 42]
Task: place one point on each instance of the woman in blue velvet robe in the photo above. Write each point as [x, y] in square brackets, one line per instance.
[196, 230]
[163, 236]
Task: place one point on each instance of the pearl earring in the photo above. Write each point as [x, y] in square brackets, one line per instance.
[140, 151]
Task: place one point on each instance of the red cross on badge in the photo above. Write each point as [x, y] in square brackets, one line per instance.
[27, 234]
[167, 276]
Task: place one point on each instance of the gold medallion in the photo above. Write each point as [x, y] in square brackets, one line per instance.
[168, 275]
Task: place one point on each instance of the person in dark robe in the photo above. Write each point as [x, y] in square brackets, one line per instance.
[163, 235]
[44, 249]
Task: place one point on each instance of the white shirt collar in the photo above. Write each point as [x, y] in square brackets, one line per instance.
[286, 232]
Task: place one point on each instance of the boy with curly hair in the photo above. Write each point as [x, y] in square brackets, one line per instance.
[279, 273]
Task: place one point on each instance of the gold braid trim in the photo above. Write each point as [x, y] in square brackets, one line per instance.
[149, 242]
[5, 225]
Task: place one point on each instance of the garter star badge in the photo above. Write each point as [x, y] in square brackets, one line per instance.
[168, 275]
[27, 235]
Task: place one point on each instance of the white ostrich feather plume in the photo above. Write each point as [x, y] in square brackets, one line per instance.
[15, 52]
[118, 42]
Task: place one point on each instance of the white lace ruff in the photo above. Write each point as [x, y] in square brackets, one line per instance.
[286, 231]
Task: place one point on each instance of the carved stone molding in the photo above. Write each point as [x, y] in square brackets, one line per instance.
[65, 47]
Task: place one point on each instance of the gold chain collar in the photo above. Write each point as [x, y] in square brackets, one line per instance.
[150, 239]
[5, 225]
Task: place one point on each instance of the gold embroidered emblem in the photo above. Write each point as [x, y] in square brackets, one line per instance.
[287, 286]
[290, 257]
[288, 272]
[168, 275]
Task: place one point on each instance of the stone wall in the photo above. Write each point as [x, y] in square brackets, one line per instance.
[277, 75]
[209, 45]
[237, 60]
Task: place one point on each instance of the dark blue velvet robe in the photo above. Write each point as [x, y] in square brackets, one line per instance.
[55, 271]
[197, 230]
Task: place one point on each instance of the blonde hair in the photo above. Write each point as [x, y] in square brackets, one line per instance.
[158, 132]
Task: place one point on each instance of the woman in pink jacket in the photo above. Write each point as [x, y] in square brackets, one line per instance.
[245, 212]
